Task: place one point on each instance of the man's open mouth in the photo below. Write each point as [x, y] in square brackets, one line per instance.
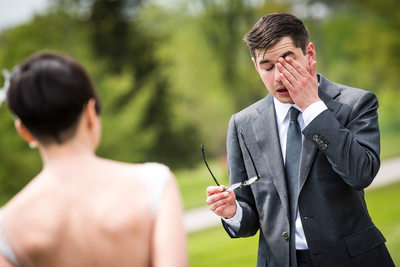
[282, 90]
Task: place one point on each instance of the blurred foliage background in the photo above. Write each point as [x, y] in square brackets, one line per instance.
[171, 73]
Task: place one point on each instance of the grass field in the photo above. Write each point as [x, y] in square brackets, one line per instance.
[383, 205]
[213, 247]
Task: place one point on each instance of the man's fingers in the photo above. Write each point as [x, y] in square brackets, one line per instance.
[211, 190]
[224, 207]
[288, 76]
[292, 70]
[221, 198]
[286, 82]
[297, 66]
[216, 197]
[220, 202]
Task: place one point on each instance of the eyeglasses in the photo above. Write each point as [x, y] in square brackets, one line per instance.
[235, 186]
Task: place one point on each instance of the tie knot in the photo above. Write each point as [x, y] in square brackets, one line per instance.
[293, 113]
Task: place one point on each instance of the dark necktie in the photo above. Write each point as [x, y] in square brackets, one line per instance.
[293, 150]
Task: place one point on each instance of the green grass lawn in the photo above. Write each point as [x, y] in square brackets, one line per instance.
[384, 208]
[213, 247]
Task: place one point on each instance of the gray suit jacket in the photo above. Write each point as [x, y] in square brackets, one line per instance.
[340, 157]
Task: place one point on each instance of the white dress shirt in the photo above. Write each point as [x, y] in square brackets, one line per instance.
[282, 120]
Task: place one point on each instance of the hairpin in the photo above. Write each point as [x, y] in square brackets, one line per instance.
[7, 78]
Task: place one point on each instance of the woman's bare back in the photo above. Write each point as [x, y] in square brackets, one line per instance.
[101, 215]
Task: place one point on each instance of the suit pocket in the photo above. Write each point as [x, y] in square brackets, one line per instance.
[365, 240]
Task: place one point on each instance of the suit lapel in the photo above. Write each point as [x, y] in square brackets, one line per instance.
[270, 148]
[327, 91]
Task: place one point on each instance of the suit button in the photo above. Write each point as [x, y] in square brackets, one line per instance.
[285, 235]
[320, 143]
[324, 146]
[315, 138]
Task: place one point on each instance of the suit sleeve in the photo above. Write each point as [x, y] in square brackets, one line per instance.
[351, 147]
[237, 173]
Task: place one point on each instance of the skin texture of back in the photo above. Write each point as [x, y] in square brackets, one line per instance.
[81, 222]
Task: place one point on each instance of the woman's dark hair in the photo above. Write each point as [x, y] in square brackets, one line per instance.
[271, 28]
[48, 92]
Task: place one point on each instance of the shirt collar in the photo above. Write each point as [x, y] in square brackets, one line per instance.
[281, 109]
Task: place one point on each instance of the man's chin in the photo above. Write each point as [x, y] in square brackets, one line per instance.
[284, 99]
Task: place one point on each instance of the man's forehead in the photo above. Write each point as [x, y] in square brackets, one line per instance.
[278, 48]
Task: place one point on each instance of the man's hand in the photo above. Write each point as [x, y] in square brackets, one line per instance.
[301, 84]
[221, 203]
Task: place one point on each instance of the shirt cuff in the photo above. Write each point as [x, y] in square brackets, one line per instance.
[234, 222]
[313, 111]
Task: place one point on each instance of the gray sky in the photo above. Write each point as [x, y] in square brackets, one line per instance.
[13, 12]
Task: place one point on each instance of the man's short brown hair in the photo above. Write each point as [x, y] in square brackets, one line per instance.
[271, 28]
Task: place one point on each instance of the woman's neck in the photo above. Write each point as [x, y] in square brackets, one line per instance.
[71, 152]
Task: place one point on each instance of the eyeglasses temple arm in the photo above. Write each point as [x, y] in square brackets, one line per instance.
[251, 158]
[204, 158]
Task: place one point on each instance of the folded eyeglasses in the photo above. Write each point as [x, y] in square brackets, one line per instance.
[235, 186]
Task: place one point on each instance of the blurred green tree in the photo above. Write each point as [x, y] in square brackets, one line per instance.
[118, 37]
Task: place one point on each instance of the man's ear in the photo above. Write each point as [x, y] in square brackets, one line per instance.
[310, 51]
[24, 132]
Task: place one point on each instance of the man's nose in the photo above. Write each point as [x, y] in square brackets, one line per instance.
[276, 76]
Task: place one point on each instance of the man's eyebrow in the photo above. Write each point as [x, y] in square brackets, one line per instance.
[264, 61]
[287, 53]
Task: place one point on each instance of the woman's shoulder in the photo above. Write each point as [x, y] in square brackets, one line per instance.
[155, 176]
[154, 170]
[143, 171]
[152, 176]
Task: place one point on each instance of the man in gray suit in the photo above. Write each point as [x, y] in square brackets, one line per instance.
[316, 146]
